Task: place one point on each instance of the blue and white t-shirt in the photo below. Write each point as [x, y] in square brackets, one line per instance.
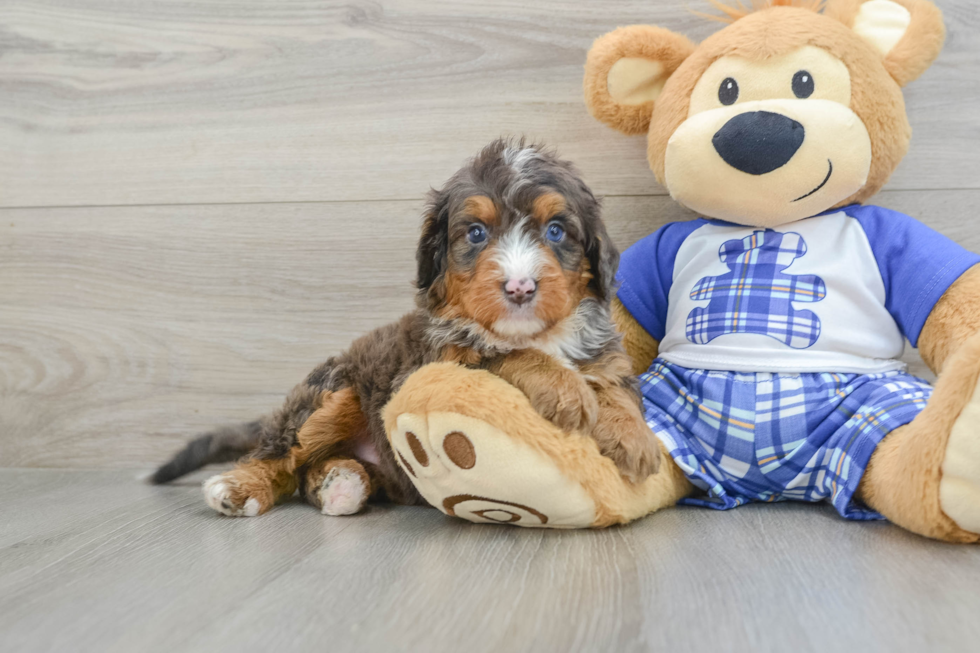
[838, 292]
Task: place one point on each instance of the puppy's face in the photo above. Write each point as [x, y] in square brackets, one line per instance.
[514, 243]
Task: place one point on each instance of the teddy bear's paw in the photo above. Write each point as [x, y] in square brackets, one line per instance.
[468, 468]
[959, 488]
[222, 493]
[343, 492]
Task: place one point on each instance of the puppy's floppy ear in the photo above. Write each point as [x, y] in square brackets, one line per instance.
[599, 249]
[625, 72]
[433, 251]
[907, 33]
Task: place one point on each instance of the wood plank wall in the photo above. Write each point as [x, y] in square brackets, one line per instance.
[200, 200]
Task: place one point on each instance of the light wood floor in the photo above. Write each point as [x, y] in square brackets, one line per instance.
[97, 561]
[201, 200]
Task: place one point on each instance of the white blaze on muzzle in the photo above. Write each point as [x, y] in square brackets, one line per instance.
[518, 255]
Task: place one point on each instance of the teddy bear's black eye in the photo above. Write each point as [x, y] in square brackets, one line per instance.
[803, 84]
[728, 92]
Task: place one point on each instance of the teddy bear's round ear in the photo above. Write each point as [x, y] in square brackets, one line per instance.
[907, 33]
[625, 72]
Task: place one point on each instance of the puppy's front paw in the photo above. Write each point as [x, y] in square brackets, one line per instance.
[623, 436]
[568, 402]
[223, 494]
[635, 458]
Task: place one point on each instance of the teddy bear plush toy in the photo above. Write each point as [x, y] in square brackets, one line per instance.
[767, 332]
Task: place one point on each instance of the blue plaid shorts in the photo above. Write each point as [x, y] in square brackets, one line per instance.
[744, 437]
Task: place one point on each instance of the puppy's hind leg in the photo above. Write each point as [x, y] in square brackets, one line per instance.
[251, 488]
[256, 484]
[338, 486]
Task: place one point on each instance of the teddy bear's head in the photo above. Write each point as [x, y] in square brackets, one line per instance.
[783, 114]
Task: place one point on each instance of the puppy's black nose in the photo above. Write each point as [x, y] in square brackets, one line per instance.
[759, 141]
[520, 291]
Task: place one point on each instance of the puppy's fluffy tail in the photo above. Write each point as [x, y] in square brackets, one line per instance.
[223, 445]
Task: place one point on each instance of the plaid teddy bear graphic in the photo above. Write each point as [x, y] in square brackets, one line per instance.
[756, 296]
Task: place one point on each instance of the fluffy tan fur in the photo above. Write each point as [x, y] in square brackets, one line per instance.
[643, 41]
[954, 320]
[875, 97]
[448, 388]
[640, 345]
[338, 417]
[591, 400]
[738, 10]
[917, 49]
[902, 479]
[768, 30]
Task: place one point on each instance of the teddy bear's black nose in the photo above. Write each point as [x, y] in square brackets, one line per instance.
[759, 141]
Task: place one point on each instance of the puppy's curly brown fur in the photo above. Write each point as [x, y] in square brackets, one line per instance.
[515, 274]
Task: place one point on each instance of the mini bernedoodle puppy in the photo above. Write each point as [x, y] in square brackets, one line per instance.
[515, 274]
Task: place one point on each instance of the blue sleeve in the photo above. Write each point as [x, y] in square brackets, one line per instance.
[646, 271]
[916, 263]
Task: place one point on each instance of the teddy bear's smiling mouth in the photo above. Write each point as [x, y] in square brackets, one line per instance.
[822, 184]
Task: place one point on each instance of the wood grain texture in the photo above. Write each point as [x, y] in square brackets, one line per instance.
[127, 330]
[95, 561]
[112, 102]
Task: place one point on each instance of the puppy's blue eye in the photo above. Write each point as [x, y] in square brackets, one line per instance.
[555, 233]
[476, 234]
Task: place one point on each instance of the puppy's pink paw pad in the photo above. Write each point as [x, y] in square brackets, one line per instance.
[343, 492]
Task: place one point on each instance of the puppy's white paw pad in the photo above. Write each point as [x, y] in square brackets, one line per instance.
[343, 492]
[218, 495]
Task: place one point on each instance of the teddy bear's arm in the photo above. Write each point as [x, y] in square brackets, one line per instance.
[954, 318]
[639, 344]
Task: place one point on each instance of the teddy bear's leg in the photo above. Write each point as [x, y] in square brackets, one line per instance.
[925, 476]
[475, 448]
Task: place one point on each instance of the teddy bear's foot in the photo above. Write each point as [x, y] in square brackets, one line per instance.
[472, 469]
[959, 489]
[925, 476]
[476, 449]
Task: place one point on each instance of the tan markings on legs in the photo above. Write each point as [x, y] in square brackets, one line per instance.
[252, 488]
[621, 431]
[461, 355]
[623, 435]
[339, 486]
[338, 420]
[255, 485]
[557, 393]
[903, 478]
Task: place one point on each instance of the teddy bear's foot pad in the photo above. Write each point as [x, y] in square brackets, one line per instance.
[959, 489]
[468, 468]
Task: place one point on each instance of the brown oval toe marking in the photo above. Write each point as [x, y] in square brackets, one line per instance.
[417, 450]
[405, 463]
[460, 450]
